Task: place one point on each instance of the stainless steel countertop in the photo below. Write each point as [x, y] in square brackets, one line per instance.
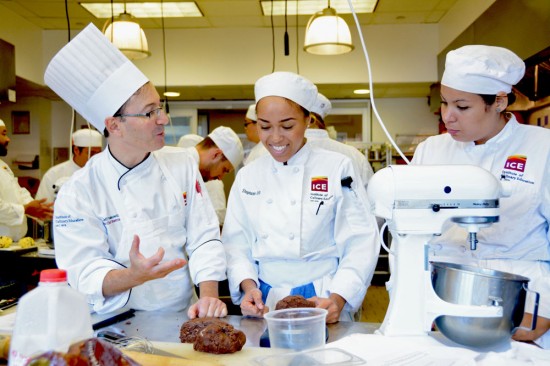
[165, 327]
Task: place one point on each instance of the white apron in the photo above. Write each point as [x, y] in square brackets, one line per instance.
[173, 291]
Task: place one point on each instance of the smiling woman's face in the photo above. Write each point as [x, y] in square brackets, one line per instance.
[281, 126]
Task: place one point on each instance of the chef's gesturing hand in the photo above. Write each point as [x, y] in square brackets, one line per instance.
[141, 270]
[252, 304]
[334, 305]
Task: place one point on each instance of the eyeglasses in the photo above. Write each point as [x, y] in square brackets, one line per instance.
[157, 112]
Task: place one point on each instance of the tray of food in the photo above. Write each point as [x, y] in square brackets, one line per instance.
[24, 245]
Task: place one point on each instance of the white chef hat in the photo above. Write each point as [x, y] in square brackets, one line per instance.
[2, 124]
[229, 143]
[189, 140]
[251, 113]
[93, 76]
[287, 85]
[482, 69]
[87, 137]
[322, 105]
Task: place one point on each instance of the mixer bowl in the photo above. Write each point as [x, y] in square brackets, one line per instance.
[468, 285]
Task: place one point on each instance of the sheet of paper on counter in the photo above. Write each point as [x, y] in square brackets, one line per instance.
[379, 350]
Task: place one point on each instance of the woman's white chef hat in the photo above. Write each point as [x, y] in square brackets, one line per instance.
[482, 69]
[287, 85]
[322, 106]
[251, 113]
[229, 143]
[189, 140]
[93, 76]
[2, 124]
[87, 137]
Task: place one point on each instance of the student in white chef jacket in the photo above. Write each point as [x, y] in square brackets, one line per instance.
[317, 135]
[135, 226]
[85, 144]
[15, 201]
[251, 131]
[216, 155]
[476, 89]
[297, 222]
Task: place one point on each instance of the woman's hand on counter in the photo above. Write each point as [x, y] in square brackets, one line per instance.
[334, 305]
[207, 307]
[252, 304]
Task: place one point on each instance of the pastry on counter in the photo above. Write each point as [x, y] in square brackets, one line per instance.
[26, 242]
[212, 335]
[5, 241]
[294, 301]
[91, 351]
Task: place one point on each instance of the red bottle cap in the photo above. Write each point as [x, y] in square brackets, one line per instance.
[53, 275]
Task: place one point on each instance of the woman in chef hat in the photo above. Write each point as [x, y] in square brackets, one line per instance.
[297, 222]
[476, 89]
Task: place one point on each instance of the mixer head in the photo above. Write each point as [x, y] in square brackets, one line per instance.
[418, 199]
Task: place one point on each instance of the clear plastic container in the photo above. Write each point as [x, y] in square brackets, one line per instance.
[297, 329]
[49, 318]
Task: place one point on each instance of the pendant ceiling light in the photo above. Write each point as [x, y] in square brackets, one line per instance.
[327, 34]
[127, 35]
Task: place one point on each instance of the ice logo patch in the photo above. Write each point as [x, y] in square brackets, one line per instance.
[319, 184]
[516, 162]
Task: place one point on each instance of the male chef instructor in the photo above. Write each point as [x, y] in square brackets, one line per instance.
[134, 227]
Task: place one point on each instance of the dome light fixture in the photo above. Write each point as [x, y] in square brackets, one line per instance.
[327, 34]
[127, 35]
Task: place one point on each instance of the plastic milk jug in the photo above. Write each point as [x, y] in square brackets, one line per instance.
[51, 317]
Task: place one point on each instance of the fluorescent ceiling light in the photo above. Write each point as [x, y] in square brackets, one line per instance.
[361, 91]
[145, 10]
[171, 94]
[308, 7]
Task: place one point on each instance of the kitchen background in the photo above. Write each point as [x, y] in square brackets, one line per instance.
[214, 62]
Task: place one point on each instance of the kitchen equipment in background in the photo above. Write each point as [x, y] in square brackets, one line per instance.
[468, 285]
[104, 320]
[416, 201]
[134, 343]
[297, 329]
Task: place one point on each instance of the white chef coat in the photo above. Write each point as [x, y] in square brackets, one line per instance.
[13, 221]
[320, 138]
[292, 224]
[163, 200]
[255, 153]
[519, 243]
[215, 187]
[55, 174]
[216, 191]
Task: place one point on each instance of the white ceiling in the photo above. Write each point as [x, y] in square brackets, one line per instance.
[51, 15]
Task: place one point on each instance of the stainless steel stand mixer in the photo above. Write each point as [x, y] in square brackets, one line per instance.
[416, 201]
